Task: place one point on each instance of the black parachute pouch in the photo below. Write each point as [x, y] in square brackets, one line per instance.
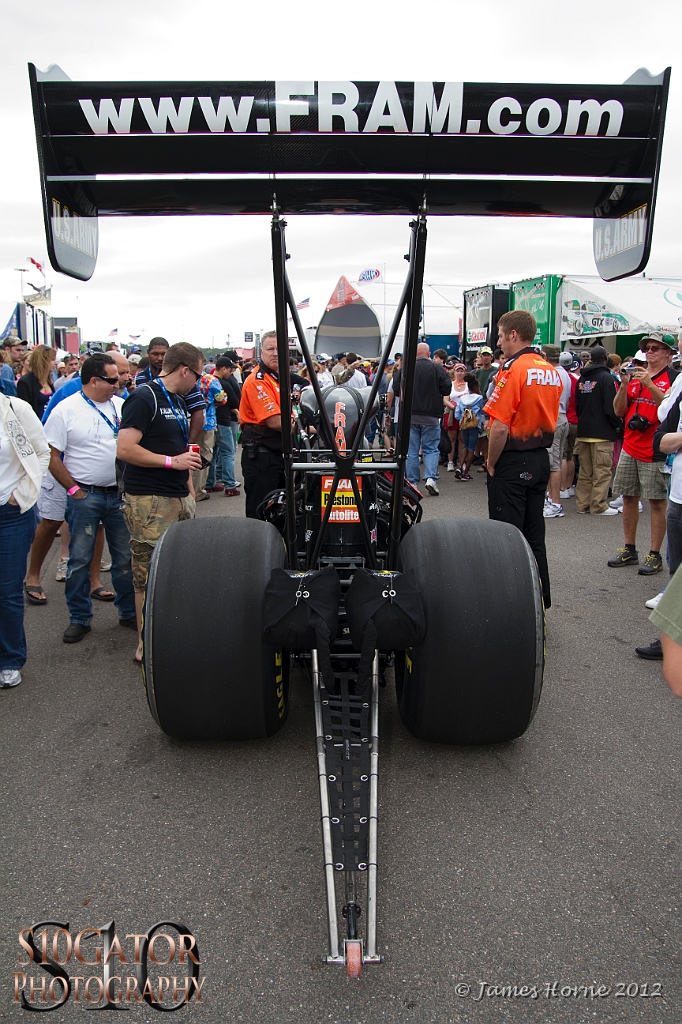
[301, 610]
[384, 611]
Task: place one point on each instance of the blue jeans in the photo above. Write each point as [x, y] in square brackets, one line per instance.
[428, 439]
[16, 536]
[84, 516]
[222, 465]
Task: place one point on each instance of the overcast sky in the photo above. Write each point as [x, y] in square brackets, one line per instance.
[202, 278]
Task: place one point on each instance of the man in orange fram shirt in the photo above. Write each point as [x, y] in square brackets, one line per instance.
[261, 438]
[523, 411]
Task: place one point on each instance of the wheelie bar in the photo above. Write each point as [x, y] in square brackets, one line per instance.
[347, 741]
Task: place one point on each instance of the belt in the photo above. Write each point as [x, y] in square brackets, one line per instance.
[100, 490]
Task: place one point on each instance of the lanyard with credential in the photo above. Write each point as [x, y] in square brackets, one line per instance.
[117, 422]
[182, 423]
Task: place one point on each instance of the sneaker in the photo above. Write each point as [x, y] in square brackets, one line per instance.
[652, 564]
[74, 633]
[458, 472]
[552, 511]
[62, 566]
[105, 565]
[624, 557]
[231, 492]
[130, 623]
[451, 467]
[652, 652]
[608, 512]
[654, 601]
[618, 504]
[567, 493]
[9, 677]
[465, 476]
[432, 486]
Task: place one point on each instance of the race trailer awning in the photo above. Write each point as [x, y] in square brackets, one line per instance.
[132, 148]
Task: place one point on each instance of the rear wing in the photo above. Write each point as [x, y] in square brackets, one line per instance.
[133, 148]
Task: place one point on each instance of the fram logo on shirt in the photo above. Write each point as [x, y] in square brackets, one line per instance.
[540, 376]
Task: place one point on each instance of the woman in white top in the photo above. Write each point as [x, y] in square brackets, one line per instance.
[24, 458]
[459, 388]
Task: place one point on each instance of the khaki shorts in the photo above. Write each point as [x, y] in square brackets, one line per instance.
[557, 449]
[637, 479]
[571, 443]
[147, 517]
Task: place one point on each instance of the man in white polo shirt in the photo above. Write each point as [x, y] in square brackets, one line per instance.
[84, 429]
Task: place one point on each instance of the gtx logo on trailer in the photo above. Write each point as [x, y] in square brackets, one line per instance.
[353, 107]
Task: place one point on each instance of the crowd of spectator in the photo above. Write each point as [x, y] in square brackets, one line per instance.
[129, 443]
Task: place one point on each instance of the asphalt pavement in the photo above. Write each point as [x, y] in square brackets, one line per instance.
[548, 864]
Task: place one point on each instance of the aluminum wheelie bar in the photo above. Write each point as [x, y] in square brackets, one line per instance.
[330, 885]
[370, 954]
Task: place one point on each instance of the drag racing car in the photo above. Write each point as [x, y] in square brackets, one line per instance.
[339, 576]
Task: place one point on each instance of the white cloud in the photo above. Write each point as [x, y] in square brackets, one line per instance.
[203, 278]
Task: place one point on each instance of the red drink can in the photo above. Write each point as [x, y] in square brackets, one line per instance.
[194, 448]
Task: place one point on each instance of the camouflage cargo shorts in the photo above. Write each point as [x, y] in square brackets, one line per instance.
[147, 517]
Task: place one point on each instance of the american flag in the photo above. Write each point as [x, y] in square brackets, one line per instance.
[303, 305]
[112, 334]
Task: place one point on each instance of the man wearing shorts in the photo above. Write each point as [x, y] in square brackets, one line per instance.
[641, 471]
[553, 508]
[152, 444]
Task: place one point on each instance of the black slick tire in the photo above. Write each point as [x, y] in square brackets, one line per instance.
[207, 674]
[477, 677]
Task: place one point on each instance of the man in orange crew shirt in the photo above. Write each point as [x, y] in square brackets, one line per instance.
[523, 411]
[261, 439]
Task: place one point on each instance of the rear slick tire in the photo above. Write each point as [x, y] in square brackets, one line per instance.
[477, 677]
[208, 676]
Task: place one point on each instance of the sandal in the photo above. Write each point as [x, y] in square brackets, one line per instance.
[100, 594]
[32, 591]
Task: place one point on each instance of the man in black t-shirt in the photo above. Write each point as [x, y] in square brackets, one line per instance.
[194, 400]
[152, 444]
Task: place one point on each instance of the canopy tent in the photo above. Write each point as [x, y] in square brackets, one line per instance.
[349, 324]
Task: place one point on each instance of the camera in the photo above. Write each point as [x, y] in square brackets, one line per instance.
[638, 422]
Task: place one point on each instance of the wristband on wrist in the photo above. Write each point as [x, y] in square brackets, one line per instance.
[72, 490]
[169, 462]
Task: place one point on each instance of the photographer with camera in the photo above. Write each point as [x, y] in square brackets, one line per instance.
[641, 471]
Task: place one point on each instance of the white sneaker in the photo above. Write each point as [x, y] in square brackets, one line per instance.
[609, 512]
[568, 493]
[9, 677]
[653, 601]
[432, 486]
[552, 511]
[62, 566]
[641, 507]
[451, 467]
[617, 502]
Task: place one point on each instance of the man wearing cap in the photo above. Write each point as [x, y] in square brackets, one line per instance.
[598, 428]
[553, 508]
[346, 367]
[486, 368]
[640, 472]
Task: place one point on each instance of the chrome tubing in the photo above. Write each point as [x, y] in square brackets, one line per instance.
[329, 467]
[371, 948]
[329, 878]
